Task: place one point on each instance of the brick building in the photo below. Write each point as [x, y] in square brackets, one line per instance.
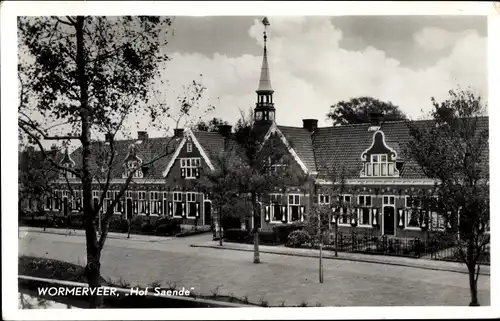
[378, 180]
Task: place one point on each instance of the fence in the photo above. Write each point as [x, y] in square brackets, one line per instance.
[438, 247]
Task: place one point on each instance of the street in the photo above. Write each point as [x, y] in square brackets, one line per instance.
[278, 279]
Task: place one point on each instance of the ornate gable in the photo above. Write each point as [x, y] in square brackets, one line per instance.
[67, 162]
[379, 160]
[132, 162]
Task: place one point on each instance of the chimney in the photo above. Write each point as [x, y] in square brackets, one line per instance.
[310, 124]
[108, 137]
[225, 130]
[376, 119]
[142, 135]
[178, 132]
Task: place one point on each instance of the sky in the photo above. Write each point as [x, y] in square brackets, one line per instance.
[317, 61]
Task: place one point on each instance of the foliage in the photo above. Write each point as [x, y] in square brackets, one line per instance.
[83, 77]
[211, 126]
[237, 235]
[298, 238]
[453, 149]
[282, 231]
[357, 111]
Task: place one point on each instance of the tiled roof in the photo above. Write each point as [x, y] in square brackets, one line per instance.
[325, 149]
[300, 140]
[147, 150]
[342, 146]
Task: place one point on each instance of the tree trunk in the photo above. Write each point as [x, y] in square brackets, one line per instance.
[336, 235]
[93, 267]
[220, 225]
[471, 264]
[473, 286]
[256, 254]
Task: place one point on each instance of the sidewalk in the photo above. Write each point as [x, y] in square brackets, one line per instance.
[111, 235]
[366, 258]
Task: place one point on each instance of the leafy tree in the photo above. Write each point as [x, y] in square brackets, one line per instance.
[220, 183]
[85, 75]
[453, 149]
[210, 126]
[259, 176]
[358, 110]
[35, 179]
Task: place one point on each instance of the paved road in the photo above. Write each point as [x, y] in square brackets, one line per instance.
[279, 278]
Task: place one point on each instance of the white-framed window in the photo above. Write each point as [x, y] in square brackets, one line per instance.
[65, 173]
[344, 209]
[76, 201]
[118, 205]
[190, 167]
[323, 199]
[294, 207]
[143, 204]
[154, 199]
[388, 200]
[178, 204]
[58, 200]
[189, 147]
[380, 166]
[412, 213]
[345, 200]
[365, 210]
[276, 208]
[191, 204]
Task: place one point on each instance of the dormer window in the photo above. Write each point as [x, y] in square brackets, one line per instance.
[379, 160]
[65, 173]
[379, 166]
[133, 166]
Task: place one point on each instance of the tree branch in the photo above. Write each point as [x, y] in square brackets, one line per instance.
[71, 24]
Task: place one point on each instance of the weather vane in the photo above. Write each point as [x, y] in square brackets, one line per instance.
[266, 23]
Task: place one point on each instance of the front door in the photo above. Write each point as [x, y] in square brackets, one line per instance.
[207, 210]
[129, 209]
[389, 220]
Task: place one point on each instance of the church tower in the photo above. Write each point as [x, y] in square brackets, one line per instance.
[264, 111]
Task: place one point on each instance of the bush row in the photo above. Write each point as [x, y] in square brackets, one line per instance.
[139, 224]
[278, 235]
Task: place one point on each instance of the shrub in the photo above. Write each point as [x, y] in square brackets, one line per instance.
[298, 238]
[283, 231]
[231, 222]
[117, 224]
[267, 237]
[237, 235]
[168, 226]
[148, 228]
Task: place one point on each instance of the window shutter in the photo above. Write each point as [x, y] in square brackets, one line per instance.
[135, 206]
[183, 172]
[170, 209]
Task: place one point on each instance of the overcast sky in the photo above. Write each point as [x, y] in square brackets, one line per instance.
[318, 61]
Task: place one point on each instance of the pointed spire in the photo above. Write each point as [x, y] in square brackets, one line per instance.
[265, 79]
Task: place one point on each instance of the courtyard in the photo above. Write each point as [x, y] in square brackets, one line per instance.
[278, 280]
